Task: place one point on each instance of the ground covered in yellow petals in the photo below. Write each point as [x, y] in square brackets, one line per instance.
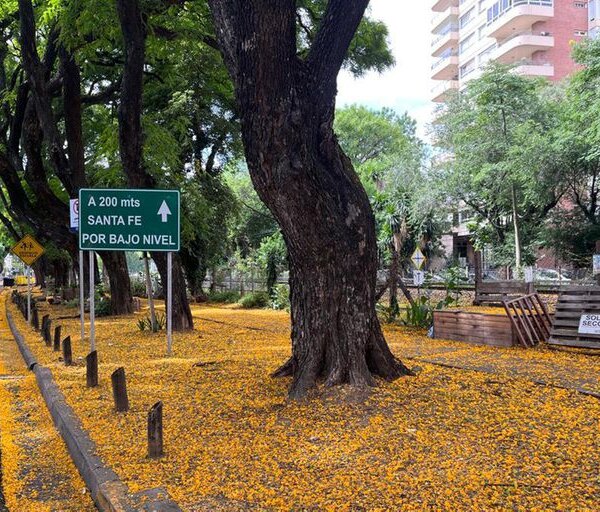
[448, 439]
[37, 473]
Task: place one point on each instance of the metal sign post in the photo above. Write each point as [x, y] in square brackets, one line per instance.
[28, 250]
[169, 303]
[92, 305]
[81, 297]
[29, 295]
[149, 292]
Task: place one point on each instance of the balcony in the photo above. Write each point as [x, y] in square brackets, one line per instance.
[508, 16]
[442, 5]
[450, 15]
[444, 40]
[522, 46]
[440, 91]
[446, 67]
[530, 68]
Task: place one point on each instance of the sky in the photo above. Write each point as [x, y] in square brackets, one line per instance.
[406, 86]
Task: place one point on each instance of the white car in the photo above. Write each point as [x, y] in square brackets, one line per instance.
[548, 274]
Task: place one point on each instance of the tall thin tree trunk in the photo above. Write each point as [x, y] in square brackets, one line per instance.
[394, 280]
[131, 143]
[516, 229]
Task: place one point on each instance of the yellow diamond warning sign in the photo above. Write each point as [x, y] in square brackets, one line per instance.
[28, 250]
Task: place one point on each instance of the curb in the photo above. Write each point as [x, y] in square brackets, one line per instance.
[109, 493]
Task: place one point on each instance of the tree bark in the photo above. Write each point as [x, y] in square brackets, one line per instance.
[513, 192]
[121, 299]
[308, 183]
[131, 143]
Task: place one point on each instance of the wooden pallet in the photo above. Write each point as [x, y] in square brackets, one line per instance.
[494, 293]
[529, 318]
[573, 302]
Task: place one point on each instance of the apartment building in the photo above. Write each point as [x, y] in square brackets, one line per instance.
[535, 35]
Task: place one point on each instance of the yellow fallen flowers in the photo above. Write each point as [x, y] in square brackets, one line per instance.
[447, 439]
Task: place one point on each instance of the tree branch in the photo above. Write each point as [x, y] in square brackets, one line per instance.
[37, 76]
[335, 33]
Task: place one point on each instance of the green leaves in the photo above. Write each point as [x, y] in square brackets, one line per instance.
[389, 158]
[495, 134]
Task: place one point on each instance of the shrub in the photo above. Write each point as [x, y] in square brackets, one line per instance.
[254, 300]
[145, 324]
[138, 287]
[419, 314]
[280, 298]
[229, 297]
[102, 306]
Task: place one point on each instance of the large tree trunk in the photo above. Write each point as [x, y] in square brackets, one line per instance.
[300, 172]
[121, 300]
[131, 143]
[329, 230]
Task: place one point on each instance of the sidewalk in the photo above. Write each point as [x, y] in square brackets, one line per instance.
[37, 473]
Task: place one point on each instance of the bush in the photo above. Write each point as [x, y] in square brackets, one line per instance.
[145, 324]
[229, 297]
[254, 300]
[280, 298]
[138, 287]
[102, 306]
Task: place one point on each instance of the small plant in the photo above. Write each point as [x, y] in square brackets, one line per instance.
[387, 314]
[419, 314]
[254, 300]
[452, 279]
[280, 298]
[145, 324]
[228, 297]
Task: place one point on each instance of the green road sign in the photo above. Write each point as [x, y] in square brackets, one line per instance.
[128, 220]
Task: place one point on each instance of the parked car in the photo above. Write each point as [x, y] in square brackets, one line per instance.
[548, 274]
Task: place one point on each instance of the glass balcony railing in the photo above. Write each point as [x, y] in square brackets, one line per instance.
[501, 7]
[444, 58]
[438, 36]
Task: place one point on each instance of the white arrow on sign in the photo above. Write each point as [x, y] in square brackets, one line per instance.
[164, 211]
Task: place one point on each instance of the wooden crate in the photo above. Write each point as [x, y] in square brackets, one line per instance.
[480, 328]
[574, 301]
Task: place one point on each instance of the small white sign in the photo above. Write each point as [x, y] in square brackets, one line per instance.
[418, 258]
[528, 271]
[418, 277]
[596, 264]
[589, 324]
[74, 213]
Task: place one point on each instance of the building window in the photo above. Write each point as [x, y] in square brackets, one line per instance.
[467, 68]
[481, 32]
[593, 10]
[466, 43]
[580, 5]
[486, 55]
[467, 18]
[581, 33]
